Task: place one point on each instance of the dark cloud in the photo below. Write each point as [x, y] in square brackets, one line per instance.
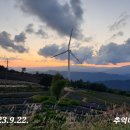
[82, 53]
[112, 53]
[59, 17]
[51, 50]
[120, 22]
[77, 9]
[41, 33]
[7, 43]
[20, 38]
[29, 29]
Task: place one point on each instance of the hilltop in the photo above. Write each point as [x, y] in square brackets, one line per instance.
[20, 76]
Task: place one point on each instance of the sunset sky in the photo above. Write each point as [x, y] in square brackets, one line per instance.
[31, 31]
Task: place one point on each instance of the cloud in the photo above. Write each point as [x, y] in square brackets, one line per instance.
[120, 22]
[40, 32]
[77, 9]
[120, 33]
[88, 39]
[29, 28]
[20, 38]
[60, 17]
[52, 49]
[9, 58]
[112, 53]
[7, 43]
[81, 53]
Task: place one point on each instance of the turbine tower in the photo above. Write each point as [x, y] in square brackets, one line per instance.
[69, 54]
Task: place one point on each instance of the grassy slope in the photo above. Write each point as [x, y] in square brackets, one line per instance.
[101, 97]
[94, 97]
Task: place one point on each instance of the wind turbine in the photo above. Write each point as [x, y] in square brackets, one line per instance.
[69, 53]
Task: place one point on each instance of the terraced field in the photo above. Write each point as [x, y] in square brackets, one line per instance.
[16, 100]
[99, 97]
[15, 97]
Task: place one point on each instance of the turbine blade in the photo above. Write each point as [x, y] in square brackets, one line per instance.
[59, 54]
[70, 39]
[75, 57]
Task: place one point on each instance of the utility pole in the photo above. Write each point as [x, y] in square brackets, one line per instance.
[7, 66]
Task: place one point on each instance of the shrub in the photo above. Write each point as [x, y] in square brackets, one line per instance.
[68, 102]
[43, 99]
[57, 86]
[74, 102]
[50, 100]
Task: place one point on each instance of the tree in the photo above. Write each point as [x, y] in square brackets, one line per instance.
[98, 87]
[23, 69]
[46, 80]
[57, 86]
[57, 77]
[2, 68]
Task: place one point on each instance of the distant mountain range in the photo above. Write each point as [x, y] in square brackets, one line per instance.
[118, 84]
[114, 81]
[91, 76]
[117, 70]
[118, 78]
